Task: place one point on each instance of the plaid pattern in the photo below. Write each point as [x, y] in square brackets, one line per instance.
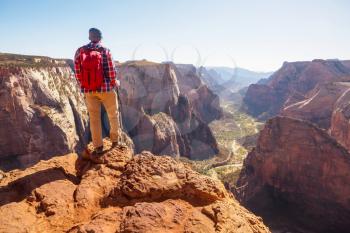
[109, 72]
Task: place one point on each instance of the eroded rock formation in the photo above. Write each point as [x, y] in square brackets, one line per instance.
[167, 110]
[299, 170]
[300, 167]
[293, 83]
[327, 106]
[118, 193]
[42, 112]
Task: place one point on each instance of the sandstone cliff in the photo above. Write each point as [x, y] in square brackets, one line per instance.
[293, 83]
[327, 106]
[318, 105]
[167, 110]
[42, 113]
[339, 126]
[119, 192]
[298, 171]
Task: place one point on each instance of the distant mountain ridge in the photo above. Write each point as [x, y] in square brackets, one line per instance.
[238, 75]
[228, 82]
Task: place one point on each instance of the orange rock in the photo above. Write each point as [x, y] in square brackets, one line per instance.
[299, 167]
[292, 83]
[167, 109]
[120, 193]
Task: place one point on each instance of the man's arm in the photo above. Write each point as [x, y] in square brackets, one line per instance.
[77, 65]
[111, 67]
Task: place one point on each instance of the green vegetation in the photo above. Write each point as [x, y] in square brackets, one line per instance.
[231, 132]
[17, 60]
[143, 62]
[228, 174]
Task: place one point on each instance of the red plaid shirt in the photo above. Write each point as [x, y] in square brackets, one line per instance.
[109, 72]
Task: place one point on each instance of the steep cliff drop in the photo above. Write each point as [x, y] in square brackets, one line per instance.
[166, 110]
[118, 192]
[298, 173]
[42, 112]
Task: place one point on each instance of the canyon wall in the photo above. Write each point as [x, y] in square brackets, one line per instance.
[42, 113]
[292, 83]
[302, 170]
[300, 166]
[167, 109]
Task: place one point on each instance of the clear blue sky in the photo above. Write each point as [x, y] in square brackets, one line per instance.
[257, 35]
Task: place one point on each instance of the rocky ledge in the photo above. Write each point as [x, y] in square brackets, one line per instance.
[118, 192]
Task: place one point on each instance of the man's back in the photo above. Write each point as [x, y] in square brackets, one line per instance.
[108, 81]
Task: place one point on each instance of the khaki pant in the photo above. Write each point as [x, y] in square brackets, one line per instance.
[93, 104]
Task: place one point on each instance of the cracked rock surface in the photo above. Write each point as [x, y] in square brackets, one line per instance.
[118, 192]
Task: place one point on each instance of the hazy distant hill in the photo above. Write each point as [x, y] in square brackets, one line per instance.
[226, 81]
[238, 76]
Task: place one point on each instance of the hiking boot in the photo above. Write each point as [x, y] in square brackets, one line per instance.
[99, 150]
[85, 154]
[114, 144]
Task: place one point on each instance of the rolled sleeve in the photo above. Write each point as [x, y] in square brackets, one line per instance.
[77, 65]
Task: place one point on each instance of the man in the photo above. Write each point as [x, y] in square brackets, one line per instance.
[95, 72]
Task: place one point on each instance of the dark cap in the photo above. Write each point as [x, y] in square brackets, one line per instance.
[96, 32]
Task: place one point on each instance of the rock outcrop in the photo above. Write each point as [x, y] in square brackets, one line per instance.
[319, 104]
[167, 110]
[339, 126]
[213, 80]
[293, 83]
[327, 106]
[204, 102]
[118, 192]
[42, 112]
[301, 171]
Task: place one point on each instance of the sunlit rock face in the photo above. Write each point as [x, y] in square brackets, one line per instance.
[292, 83]
[42, 112]
[300, 166]
[167, 110]
[301, 171]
